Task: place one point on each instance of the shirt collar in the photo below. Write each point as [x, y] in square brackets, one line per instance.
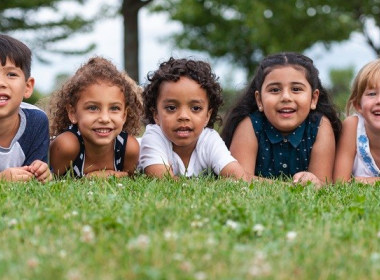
[275, 136]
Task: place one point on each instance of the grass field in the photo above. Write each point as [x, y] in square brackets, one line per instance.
[190, 229]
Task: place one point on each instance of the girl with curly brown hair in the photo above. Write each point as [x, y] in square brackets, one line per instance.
[94, 116]
[181, 105]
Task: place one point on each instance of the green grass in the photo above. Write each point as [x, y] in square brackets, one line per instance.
[190, 229]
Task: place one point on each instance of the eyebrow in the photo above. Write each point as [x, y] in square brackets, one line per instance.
[191, 101]
[278, 83]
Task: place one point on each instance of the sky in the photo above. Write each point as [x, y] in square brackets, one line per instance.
[154, 28]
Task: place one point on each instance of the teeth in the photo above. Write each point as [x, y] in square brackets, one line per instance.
[287, 110]
[103, 130]
[4, 97]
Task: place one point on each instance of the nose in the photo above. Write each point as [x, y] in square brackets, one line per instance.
[286, 95]
[104, 117]
[183, 115]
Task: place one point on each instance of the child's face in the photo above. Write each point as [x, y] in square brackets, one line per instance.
[100, 114]
[286, 98]
[369, 107]
[13, 88]
[182, 113]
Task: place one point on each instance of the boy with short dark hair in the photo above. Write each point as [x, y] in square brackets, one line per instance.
[24, 128]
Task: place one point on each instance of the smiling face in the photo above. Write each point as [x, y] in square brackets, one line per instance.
[13, 88]
[286, 98]
[100, 114]
[369, 107]
[182, 113]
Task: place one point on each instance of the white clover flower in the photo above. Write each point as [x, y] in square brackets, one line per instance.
[196, 224]
[169, 235]
[258, 229]
[291, 235]
[88, 234]
[120, 185]
[211, 241]
[375, 257]
[378, 234]
[12, 222]
[62, 254]
[90, 193]
[177, 257]
[74, 213]
[232, 224]
[200, 275]
[140, 242]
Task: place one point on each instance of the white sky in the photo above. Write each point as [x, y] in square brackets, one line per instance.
[153, 49]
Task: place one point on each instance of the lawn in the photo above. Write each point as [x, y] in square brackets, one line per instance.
[188, 229]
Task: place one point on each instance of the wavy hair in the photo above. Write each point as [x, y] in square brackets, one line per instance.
[95, 70]
[247, 102]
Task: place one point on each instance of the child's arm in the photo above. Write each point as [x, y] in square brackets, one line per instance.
[322, 156]
[244, 147]
[346, 150]
[63, 150]
[131, 157]
[16, 174]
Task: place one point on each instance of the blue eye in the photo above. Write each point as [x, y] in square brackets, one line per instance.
[115, 108]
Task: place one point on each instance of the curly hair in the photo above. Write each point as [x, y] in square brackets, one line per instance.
[247, 102]
[171, 71]
[95, 70]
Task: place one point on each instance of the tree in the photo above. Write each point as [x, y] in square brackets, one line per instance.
[22, 19]
[341, 85]
[245, 31]
[129, 10]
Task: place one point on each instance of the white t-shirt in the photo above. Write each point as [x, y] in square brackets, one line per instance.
[210, 152]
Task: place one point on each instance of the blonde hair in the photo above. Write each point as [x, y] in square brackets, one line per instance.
[368, 77]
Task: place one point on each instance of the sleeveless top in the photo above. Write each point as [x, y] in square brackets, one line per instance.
[279, 155]
[364, 164]
[119, 148]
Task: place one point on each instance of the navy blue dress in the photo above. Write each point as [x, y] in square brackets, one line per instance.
[119, 148]
[280, 155]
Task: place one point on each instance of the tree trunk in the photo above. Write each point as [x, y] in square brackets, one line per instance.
[130, 10]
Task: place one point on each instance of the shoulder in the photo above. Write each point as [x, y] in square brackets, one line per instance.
[66, 144]
[351, 121]
[152, 132]
[33, 113]
[133, 146]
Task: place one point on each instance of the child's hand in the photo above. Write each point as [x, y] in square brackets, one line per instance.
[16, 174]
[40, 170]
[304, 177]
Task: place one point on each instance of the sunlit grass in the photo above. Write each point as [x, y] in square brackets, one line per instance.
[188, 229]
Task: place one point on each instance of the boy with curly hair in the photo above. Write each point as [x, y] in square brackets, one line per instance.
[181, 104]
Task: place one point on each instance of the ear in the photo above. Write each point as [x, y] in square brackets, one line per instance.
[125, 114]
[29, 86]
[314, 99]
[357, 106]
[208, 116]
[258, 101]
[71, 113]
[155, 116]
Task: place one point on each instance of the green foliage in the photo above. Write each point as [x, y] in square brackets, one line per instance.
[341, 85]
[41, 24]
[245, 31]
[187, 229]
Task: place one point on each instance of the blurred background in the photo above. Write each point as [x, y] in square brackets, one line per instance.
[233, 35]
